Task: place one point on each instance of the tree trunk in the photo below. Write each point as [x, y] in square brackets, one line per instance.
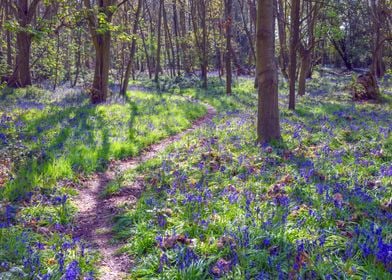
[340, 47]
[21, 76]
[228, 46]
[24, 13]
[129, 67]
[204, 66]
[304, 71]
[99, 91]
[77, 58]
[248, 33]
[366, 88]
[158, 54]
[268, 127]
[101, 36]
[56, 70]
[295, 9]
[175, 26]
[283, 55]
[379, 18]
[148, 60]
[377, 67]
[9, 39]
[184, 46]
[171, 55]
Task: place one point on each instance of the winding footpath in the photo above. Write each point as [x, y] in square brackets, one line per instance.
[94, 219]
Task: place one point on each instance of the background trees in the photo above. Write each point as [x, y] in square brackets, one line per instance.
[28, 22]
[47, 40]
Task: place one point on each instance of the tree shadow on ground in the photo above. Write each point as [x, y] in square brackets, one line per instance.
[70, 141]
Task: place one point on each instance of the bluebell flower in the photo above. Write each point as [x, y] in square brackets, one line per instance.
[162, 220]
[72, 271]
[163, 261]
[60, 260]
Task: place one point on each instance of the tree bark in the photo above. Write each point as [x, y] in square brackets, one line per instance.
[176, 35]
[24, 14]
[283, 55]
[100, 88]
[204, 64]
[8, 36]
[268, 127]
[184, 46]
[158, 54]
[127, 74]
[171, 54]
[101, 37]
[306, 48]
[77, 58]
[21, 76]
[340, 47]
[228, 9]
[378, 20]
[294, 16]
[306, 56]
[148, 59]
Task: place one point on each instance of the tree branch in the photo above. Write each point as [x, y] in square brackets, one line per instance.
[122, 3]
[32, 9]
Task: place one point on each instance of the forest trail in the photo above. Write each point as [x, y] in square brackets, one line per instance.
[94, 219]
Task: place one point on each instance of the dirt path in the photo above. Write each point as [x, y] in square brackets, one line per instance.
[94, 220]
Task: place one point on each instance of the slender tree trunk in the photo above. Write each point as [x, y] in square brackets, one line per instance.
[175, 26]
[148, 59]
[77, 58]
[378, 19]
[169, 44]
[340, 47]
[295, 9]
[204, 55]
[248, 32]
[9, 49]
[129, 67]
[158, 54]
[184, 45]
[228, 9]
[268, 127]
[306, 56]
[8, 35]
[56, 76]
[283, 55]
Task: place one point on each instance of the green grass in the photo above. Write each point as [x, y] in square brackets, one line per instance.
[48, 141]
[60, 143]
[312, 188]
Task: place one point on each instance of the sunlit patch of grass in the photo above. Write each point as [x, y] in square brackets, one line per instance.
[62, 142]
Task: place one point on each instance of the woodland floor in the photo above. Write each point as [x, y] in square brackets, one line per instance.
[155, 186]
[96, 212]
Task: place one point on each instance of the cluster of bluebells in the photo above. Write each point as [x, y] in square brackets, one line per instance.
[64, 264]
[292, 207]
